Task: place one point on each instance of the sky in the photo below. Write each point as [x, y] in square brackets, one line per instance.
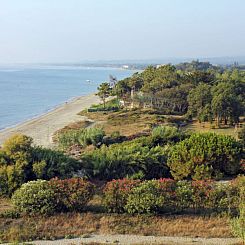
[33, 31]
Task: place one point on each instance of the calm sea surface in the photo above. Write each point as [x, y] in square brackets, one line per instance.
[26, 92]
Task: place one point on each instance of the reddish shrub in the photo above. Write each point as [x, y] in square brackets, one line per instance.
[202, 191]
[116, 193]
[72, 194]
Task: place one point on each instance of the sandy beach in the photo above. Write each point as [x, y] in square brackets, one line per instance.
[42, 128]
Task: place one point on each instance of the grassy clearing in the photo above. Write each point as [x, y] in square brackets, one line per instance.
[76, 224]
[207, 127]
[127, 122]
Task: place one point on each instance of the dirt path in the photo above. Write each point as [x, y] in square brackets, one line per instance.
[42, 128]
[134, 239]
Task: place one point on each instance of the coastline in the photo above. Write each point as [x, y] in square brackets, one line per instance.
[42, 127]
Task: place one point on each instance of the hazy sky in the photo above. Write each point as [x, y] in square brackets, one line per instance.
[77, 30]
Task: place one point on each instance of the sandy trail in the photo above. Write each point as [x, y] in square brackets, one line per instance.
[135, 239]
[42, 128]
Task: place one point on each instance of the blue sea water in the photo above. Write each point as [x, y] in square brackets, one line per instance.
[26, 92]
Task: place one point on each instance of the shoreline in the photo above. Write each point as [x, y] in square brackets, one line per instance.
[42, 127]
[45, 112]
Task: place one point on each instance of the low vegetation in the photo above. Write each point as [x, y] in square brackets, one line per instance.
[43, 197]
[169, 196]
[139, 160]
[81, 137]
[21, 162]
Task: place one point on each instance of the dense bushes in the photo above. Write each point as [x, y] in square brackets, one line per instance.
[46, 197]
[81, 137]
[241, 135]
[47, 164]
[15, 163]
[165, 134]
[127, 159]
[205, 156]
[20, 162]
[131, 196]
[166, 195]
[145, 198]
[35, 197]
[167, 152]
[71, 194]
[116, 193]
[238, 223]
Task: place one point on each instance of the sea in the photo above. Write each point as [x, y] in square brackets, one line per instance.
[29, 91]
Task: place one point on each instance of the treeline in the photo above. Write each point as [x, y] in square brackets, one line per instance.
[195, 89]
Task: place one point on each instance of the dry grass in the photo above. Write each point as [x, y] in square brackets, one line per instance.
[128, 123]
[135, 121]
[207, 127]
[76, 224]
[5, 205]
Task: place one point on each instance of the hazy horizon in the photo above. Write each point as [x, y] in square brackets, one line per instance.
[74, 31]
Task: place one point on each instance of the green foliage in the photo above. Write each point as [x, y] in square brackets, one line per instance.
[167, 195]
[39, 169]
[205, 156]
[43, 197]
[145, 198]
[35, 197]
[20, 162]
[241, 135]
[15, 163]
[111, 105]
[51, 163]
[116, 193]
[199, 100]
[184, 194]
[238, 223]
[205, 91]
[227, 103]
[165, 134]
[126, 159]
[81, 137]
[104, 91]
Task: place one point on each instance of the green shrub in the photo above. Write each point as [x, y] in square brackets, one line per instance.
[35, 197]
[47, 164]
[71, 194]
[167, 195]
[201, 193]
[15, 163]
[126, 159]
[241, 135]
[166, 134]
[39, 169]
[238, 223]
[81, 137]
[111, 105]
[20, 162]
[184, 194]
[116, 193]
[145, 198]
[205, 156]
